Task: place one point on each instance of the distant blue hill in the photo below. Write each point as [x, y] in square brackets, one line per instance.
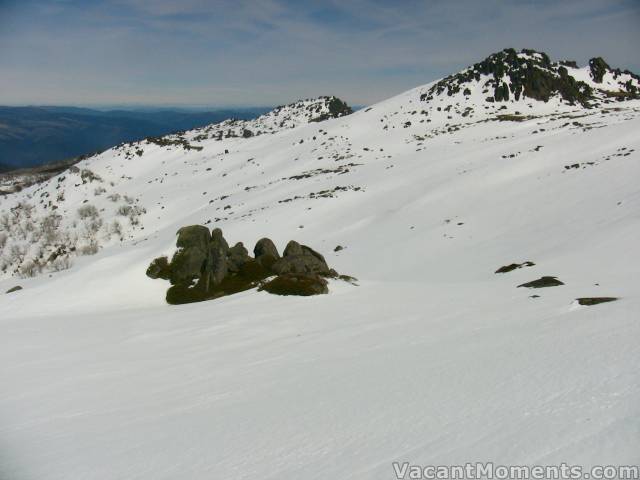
[31, 136]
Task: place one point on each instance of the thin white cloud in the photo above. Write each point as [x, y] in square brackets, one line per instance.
[273, 51]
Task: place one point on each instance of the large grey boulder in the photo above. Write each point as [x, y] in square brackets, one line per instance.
[189, 261]
[300, 259]
[159, 268]
[237, 256]
[187, 265]
[201, 257]
[265, 252]
[293, 248]
[217, 265]
[218, 240]
[193, 236]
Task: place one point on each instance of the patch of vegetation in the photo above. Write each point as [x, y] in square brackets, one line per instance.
[249, 276]
[296, 284]
[169, 142]
[514, 118]
[337, 108]
[87, 176]
[598, 67]
[88, 211]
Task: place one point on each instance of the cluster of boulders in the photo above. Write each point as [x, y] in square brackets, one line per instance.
[204, 267]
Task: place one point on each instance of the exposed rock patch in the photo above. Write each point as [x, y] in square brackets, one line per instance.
[542, 282]
[266, 252]
[14, 289]
[301, 259]
[514, 266]
[589, 301]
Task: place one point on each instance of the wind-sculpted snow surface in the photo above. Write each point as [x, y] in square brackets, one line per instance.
[432, 358]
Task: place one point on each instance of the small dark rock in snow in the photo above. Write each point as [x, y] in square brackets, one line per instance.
[514, 266]
[589, 301]
[14, 289]
[542, 283]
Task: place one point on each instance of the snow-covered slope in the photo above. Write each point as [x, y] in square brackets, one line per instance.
[432, 358]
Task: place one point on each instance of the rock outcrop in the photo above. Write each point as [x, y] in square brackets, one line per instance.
[204, 267]
[266, 252]
[509, 74]
[301, 259]
[237, 257]
[542, 282]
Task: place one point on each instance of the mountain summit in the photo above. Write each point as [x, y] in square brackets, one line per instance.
[510, 75]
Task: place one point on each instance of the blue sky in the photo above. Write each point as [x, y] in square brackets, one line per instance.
[267, 52]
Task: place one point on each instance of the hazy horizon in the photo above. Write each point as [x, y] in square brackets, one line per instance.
[142, 107]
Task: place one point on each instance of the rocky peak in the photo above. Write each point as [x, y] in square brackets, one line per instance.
[315, 110]
[511, 75]
[280, 118]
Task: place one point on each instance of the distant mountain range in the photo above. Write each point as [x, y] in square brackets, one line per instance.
[31, 136]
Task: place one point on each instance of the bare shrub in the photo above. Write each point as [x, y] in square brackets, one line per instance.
[99, 191]
[22, 209]
[49, 228]
[114, 197]
[116, 229]
[93, 225]
[88, 211]
[124, 210]
[29, 269]
[17, 253]
[88, 176]
[5, 222]
[22, 228]
[132, 212]
[90, 248]
[61, 263]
